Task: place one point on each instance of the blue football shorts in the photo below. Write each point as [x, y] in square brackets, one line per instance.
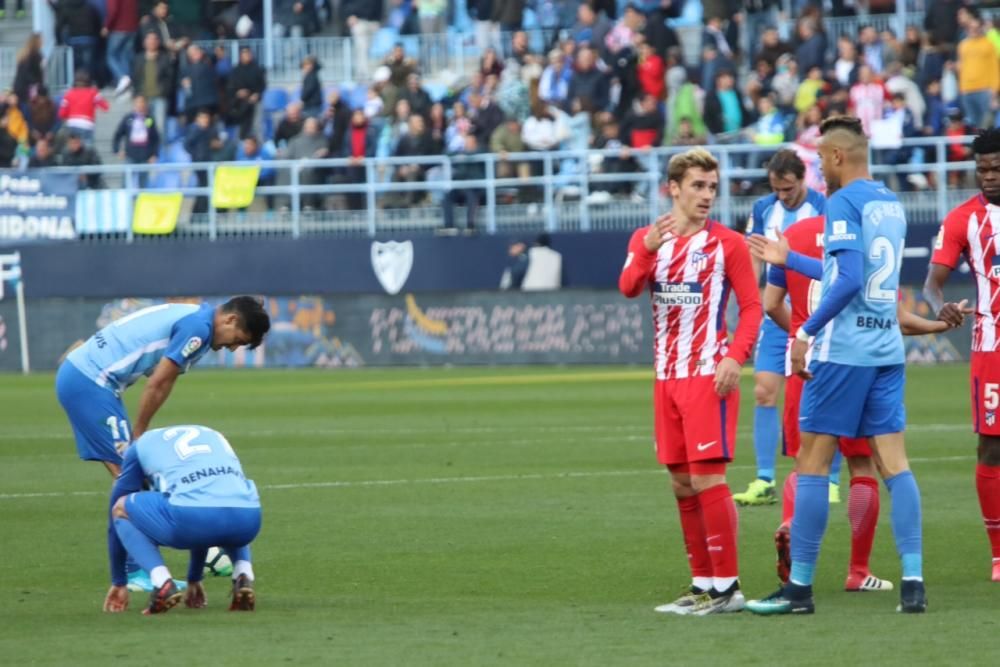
[853, 401]
[771, 345]
[100, 423]
[191, 526]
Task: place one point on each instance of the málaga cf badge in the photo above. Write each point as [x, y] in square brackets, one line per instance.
[392, 262]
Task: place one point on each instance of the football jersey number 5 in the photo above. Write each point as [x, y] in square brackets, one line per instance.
[883, 254]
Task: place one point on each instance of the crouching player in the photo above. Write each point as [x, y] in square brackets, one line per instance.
[201, 498]
[688, 264]
[805, 238]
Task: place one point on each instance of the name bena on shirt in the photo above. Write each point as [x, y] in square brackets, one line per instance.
[870, 322]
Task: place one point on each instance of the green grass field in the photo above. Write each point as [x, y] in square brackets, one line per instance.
[469, 517]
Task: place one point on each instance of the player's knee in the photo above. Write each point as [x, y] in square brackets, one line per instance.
[118, 510]
[680, 480]
[989, 451]
[861, 466]
[765, 393]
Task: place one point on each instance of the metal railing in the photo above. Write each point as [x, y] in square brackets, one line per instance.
[557, 195]
[58, 67]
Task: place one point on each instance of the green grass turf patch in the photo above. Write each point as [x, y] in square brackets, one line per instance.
[466, 517]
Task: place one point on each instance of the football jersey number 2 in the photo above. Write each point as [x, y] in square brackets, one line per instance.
[883, 252]
[185, 436]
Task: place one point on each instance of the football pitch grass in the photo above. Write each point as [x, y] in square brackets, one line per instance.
[470, 517]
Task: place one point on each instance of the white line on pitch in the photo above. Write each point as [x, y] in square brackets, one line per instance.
[448, 480]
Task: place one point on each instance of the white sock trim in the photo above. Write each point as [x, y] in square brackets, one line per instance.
[159, 575]
[242, 567]
[722, 584]
[702, 583]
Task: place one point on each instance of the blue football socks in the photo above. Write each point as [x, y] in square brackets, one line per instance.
[812, 508]
[907, 523]
[765, 440]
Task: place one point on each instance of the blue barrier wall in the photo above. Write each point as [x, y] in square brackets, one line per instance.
[326, 265]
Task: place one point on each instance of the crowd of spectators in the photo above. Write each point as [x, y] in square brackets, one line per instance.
[602, 79]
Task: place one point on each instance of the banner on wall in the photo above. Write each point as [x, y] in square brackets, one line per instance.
[37, 207]
[471, 328]
[234, 186]
[156, 213]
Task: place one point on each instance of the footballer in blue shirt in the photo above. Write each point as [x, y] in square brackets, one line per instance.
[160, 342]
[855, 379]
[199, 497]
[791, 200]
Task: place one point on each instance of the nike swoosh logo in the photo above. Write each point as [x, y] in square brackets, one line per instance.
[703, 446]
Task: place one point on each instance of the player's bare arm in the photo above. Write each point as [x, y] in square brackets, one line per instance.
[157, 389]
[775, 306]
[937, 276]
[768, 250]
[911, 324]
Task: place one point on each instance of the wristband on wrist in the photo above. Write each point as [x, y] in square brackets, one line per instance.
[802, 335]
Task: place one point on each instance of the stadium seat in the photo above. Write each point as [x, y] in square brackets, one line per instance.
[274, 100]
[383, 42]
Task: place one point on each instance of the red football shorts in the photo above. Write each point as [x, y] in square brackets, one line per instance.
[792, 440]
[693, 423]
[984, 369]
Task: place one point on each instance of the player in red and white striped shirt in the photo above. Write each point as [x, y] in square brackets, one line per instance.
[972, 230]
[689, 264]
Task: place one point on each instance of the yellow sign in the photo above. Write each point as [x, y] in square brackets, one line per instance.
[234, 186]
[156, 213]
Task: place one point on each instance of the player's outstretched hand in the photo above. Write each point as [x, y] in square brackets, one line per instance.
[658, 232]
[116, 601]
[953, 314]
[727, 376]
[798, 355]
[194, 596]
[767, 250]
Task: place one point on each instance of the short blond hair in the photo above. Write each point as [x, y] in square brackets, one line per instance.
[695, 158]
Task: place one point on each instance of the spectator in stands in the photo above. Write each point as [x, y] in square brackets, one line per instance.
[290, 125]
[336, 121]
[291, 18]
[506, 139]
[771, 46]
[160, 22]
[588, 82]
[200, 141]
[912, 48]
[362, 19]
[899, 82]
[374, 104]
[658, 34]
[17, 124]
[433, 16]
[686, 135]
[509, 14]
[419, 100]
[591, 28]
[490, 63]
[807, 126]
[438, 127]
[768, 129]
[487, 31]
[137, 138]
[541, 130]
[42, 115]
[312, 87]
[42, 156]
[759, 82]
[244, 88]
[725, 108]
[872, 49]
[811, 51]
[978, 74]
[845, 68]
[416, 142]
[903, 118]
[465, 169]
[153, 77]
[615, 163]
[868, 97]
[553, 87]
[400, 66]
[120, 26]
[642, 127]
[941, 22]
[360, 142]
[252, 152]
[28, 75]
[8, 144]
[937, 112]
[932, 63]
[785, 82]
[79, 105]
[80, 25]
[651, 72]
[809, 90]
[198, 81]
[485, 115]
[310, 144]
[77, 154]
[512, 94]
[459, 126]
[520, 49]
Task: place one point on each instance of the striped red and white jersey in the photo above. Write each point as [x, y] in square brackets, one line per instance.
[971, 230]
[689, 281]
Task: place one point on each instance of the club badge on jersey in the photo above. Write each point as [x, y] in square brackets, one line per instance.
[678, 294]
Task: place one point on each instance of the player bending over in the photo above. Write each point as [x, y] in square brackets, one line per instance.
[160, 342]
[970, 230]
[856, 376]
[791, 200]
[804, 239]
[688, 263]
[200, 498]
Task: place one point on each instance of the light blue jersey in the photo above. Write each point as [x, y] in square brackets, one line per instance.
[769, 215]
[128, 348]
[194, 466]
[867, 217]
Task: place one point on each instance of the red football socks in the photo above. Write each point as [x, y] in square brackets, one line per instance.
[862, 512]
[694, 537]
[988, 488]
[718, 513]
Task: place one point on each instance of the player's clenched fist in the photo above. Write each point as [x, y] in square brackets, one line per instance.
[658, 232]
[727, 376]
[798, 357]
